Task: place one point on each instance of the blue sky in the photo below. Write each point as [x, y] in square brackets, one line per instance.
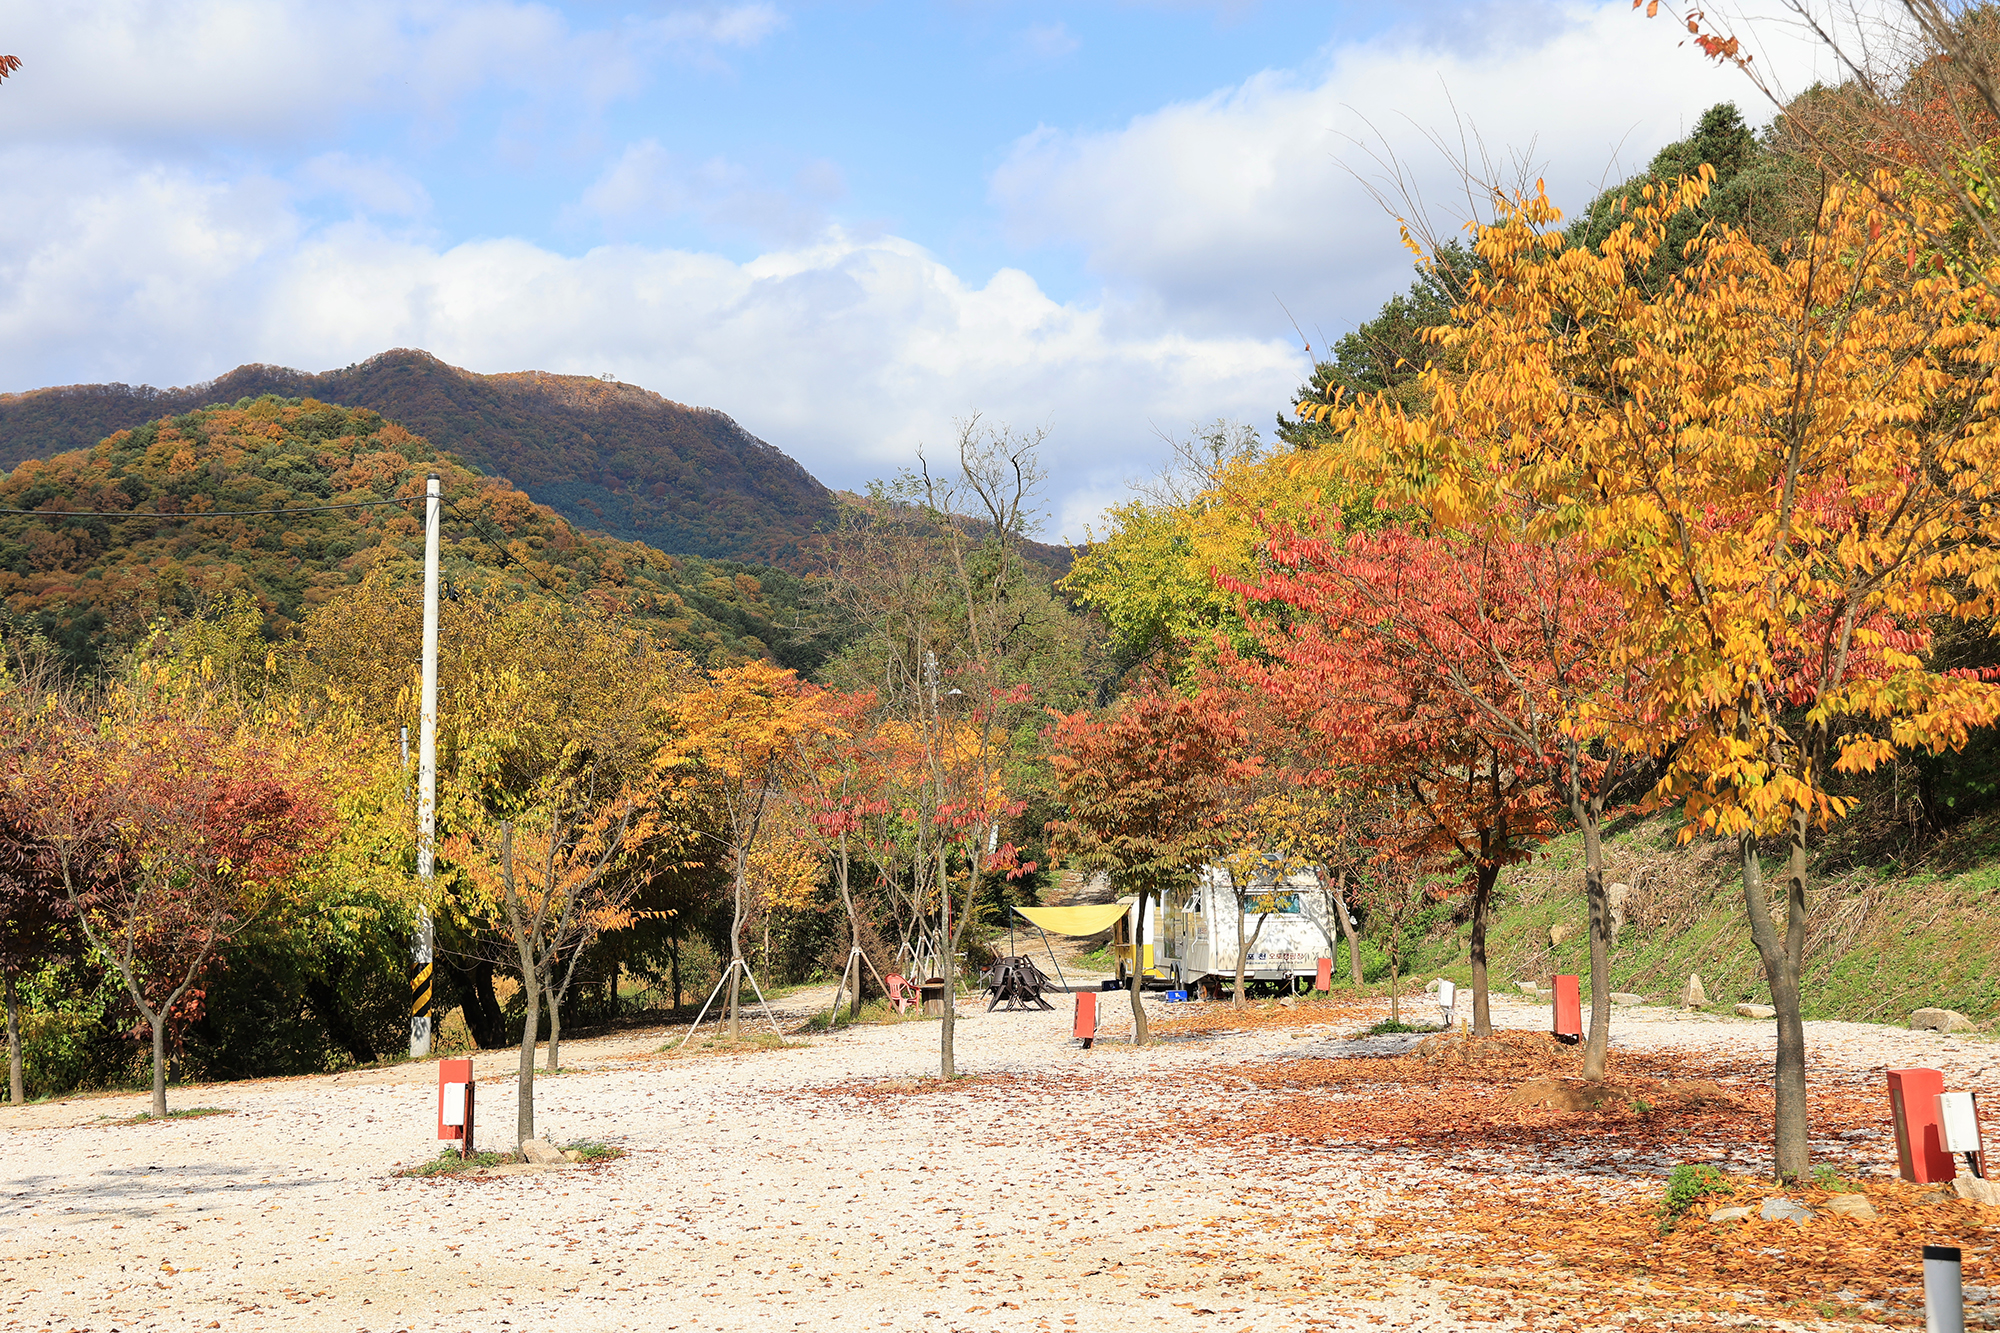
[844, 224]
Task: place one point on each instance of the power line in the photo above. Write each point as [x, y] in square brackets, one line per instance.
[205, 513]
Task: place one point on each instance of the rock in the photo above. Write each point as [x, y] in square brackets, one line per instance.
[1785, 1210]
[1288, 1003]
[1557, 934]
[540, 1152]
[1855, 1206]
[1755, 1011]
[1941, 1020]
[1626, 998]
[1730, 1215]
[1934, 1196]
[572, 1154]
[1616, 896]
[1977, 1191]
[1527, 988]
[1695, 996]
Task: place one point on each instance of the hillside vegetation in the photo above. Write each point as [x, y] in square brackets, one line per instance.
[606, 456]
[94, 584]
[1882, 938]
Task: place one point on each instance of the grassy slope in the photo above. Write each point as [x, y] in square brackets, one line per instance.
[1881, 940]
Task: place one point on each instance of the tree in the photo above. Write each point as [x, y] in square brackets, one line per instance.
[746, 735]
[35, 917]
[1146, 789]
[551, 804]
[169, 839]
[1400, 656]
[842, 788]
[964, 640]
[1396, 887]
[1784, 465]
[553, 880]
[1307, 819]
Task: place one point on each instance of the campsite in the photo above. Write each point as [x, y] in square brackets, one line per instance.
[1182, 1186]
[1228, 665]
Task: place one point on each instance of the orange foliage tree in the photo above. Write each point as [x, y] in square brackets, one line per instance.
[745, 735]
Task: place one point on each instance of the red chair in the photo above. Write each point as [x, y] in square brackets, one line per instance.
[902, 995]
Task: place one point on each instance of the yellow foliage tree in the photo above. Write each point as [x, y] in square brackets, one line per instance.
[1785, 464]
[745, 735]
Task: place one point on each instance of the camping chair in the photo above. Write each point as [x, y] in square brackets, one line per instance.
[902, 995]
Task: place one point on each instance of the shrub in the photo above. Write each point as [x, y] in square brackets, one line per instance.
[1687, 1186]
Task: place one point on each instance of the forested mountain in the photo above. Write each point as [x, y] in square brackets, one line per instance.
[94, 584]
[611, 457]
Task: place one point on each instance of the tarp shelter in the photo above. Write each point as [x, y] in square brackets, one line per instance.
[1086, 919]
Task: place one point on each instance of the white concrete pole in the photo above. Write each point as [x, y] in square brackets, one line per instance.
[427, 720]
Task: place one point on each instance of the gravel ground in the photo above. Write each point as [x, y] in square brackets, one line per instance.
[796, 1188]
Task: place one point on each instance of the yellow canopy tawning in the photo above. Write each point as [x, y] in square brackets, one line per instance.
[1087, 919]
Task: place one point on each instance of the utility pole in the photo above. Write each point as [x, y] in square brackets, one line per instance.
[427, 726]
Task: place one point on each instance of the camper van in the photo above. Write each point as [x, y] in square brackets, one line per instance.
[1188, 942]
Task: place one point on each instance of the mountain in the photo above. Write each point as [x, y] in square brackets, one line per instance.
[93, 585]
[611, 457]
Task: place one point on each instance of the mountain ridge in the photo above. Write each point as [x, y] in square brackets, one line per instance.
[608, 456]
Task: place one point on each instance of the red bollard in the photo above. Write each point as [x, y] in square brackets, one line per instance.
[1920, 1152]
[1085, 1028]
[1324, 981]
[455, 1104]
[1568, 1024]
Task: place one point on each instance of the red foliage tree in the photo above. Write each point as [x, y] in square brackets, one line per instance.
[169, 839]
[1146, 787]
[1463, 673]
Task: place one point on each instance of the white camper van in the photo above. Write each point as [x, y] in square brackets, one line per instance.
[1189, 941]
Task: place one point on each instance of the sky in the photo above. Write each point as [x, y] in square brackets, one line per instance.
[848, 225]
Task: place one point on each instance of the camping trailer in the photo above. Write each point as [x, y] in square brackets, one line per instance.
[1189, 940]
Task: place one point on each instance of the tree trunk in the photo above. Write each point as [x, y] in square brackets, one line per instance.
[1597, 1045]
[1792, 1150]
[1482, 901]
[483, 1015]
[555, 1032]
[524, 1108]
[17, 1087]
[853, 968]
[1139, 1030]
[674, 967]
[948, 1028]
[1347, 932]
[1242, 949]
[159, 1020]
[1395, 999]
[736, 955]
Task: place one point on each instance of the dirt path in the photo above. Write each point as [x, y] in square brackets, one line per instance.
[813, 1187]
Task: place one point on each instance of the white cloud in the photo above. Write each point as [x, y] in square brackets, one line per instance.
[648, 184]
[1206, 211]
[365, 185]
[737, 25]
[845, 352]
[206, 73]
